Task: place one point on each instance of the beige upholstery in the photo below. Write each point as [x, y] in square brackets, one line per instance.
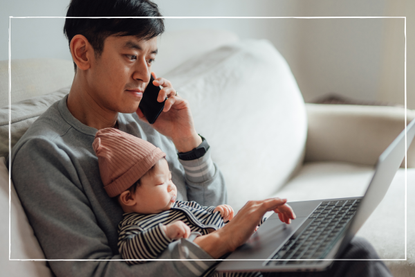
[353, 133]
[32, 77]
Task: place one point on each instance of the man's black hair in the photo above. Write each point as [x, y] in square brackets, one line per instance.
[97, 30]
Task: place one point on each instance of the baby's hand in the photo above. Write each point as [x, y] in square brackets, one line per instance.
[177, 230]
[226, 212]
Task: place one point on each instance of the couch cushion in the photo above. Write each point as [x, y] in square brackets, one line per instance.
[247, 104]
[33, 77]
[23, 114]
[24, 244]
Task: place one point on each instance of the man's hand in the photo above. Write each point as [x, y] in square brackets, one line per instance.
[175, 121]
[226, 212]
[177, 230]
[242, 226]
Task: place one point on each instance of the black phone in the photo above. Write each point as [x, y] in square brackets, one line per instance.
[149, 105]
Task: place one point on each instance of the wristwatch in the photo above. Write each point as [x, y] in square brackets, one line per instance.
[195, 153]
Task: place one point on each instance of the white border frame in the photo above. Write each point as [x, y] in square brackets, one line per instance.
[217, 17]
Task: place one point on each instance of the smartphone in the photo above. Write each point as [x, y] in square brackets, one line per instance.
[149, 105]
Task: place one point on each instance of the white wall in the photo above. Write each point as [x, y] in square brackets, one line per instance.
[33, 38]
[393, 56]
[358, 58]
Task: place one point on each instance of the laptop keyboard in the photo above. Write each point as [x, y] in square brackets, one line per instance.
[316, 236]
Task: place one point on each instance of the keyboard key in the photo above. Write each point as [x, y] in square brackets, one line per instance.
[340, 203]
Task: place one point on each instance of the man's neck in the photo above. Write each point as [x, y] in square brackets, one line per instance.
[87, 110]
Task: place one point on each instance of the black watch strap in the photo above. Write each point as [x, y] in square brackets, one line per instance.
[195, 153]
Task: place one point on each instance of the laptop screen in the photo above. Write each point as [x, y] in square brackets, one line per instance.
[385, 170]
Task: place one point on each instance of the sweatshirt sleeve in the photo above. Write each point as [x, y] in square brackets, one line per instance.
[67, 228]
[137, 245]
[204, 180]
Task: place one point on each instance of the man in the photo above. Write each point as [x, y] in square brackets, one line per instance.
[55, 170]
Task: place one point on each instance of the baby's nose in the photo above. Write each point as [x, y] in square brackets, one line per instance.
[170, 187]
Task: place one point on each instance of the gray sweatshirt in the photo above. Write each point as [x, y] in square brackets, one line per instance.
[55, 171]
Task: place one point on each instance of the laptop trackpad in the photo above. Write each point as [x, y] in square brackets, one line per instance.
[264, 242]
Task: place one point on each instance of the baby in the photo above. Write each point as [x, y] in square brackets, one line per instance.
[137, 173]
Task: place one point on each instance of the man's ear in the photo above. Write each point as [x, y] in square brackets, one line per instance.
[127, 198]
[81, 51]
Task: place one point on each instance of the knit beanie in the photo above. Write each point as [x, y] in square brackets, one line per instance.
[123, 159]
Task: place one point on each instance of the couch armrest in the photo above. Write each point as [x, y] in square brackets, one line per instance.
[353, 133]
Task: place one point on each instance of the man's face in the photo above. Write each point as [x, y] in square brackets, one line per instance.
[118, 77]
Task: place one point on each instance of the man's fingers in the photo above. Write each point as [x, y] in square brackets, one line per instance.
[166, 93]
[162, 82]
[285, 213]
[273, 203]
[286, 219]
[171, 100]
[286, 210]
[168, 104]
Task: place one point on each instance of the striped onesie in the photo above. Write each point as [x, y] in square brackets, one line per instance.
[141, 236]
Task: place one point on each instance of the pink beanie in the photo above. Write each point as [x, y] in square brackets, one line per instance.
[123, 159]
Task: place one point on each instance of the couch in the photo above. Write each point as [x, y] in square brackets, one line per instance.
[266, 140]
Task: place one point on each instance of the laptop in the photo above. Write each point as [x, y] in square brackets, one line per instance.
[322, 229]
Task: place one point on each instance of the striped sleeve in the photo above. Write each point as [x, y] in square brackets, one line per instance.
[137, 245]
[209, 209]
[199, 170]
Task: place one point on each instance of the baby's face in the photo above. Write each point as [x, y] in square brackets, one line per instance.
[156, 193]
